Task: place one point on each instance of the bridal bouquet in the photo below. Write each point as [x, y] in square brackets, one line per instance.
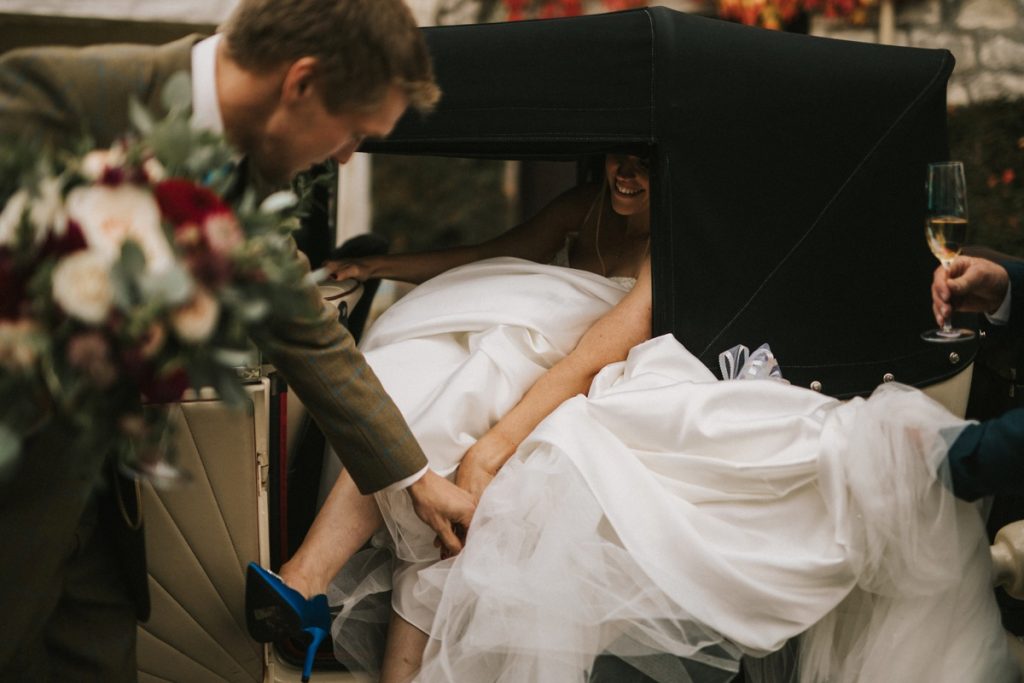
[126, 278]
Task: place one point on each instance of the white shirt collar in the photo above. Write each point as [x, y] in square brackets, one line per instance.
[205, 107]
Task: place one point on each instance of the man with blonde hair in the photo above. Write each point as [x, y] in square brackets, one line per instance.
[289, 83]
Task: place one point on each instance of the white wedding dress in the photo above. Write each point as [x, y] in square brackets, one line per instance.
[669, 518]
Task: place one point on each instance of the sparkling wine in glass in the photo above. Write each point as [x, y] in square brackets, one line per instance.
[946, 229]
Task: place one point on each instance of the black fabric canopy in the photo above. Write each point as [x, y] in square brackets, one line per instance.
[787, 173]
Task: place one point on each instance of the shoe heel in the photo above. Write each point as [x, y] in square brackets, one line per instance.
[318, 636]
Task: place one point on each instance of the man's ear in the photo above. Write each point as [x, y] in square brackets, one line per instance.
[299, 80]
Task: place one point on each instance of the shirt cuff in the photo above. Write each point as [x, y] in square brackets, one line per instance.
[1002, 314]
[405, 483]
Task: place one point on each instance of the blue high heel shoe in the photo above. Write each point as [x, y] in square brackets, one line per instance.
[274, 611]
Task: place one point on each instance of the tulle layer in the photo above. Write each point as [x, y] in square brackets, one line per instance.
[923, 606]
[545, 586]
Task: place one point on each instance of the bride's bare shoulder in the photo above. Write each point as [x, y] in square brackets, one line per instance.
[576, 201]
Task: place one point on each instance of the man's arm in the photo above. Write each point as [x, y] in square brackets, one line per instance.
[1015, 272]
[988, 458]
[319, 359]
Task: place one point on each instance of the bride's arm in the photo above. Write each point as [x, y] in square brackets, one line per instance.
[607, 341]
[537, 239]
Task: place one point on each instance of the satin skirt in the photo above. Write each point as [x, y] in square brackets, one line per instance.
[671, 519]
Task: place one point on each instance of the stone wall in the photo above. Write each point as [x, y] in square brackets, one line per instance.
[985, 36]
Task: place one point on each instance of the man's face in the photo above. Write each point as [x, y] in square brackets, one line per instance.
[302, 132]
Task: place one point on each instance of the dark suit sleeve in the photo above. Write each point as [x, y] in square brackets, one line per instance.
[320, 361]
[988, 458]
[1015, 269]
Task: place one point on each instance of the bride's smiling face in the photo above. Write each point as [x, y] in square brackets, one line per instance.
[629, 183]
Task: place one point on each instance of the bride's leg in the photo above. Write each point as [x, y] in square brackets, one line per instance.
[343, 525]
[403, 653]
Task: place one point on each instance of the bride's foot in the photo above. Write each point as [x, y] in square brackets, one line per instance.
[297, 581]
[274, 610]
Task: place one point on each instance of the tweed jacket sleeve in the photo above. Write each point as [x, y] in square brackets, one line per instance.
[320, 361]
[57, 94]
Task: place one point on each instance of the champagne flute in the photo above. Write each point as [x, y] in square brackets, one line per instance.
[946, 229]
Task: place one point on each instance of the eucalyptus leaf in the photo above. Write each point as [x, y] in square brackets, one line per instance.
[279, 201]
[173, 286]
[177, 93]
[121, 285]
[140, 117]
[232, 357]
[254, 310]
[133, 260]
[229, 389]
[172, 144]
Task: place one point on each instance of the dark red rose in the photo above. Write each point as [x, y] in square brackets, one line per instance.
[167, 388]
[112, 176]
[71, 241]
[183, 202]
[212, 269]
[162, 387]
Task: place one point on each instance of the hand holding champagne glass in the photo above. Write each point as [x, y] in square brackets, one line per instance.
[946, 229]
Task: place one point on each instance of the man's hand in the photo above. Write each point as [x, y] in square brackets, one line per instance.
[971, 285]
[443, 506]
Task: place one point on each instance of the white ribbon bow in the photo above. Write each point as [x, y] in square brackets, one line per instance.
[739, 363]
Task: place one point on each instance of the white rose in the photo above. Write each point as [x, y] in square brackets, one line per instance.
[94, 163]
[111, 215]
[194, 322]
[10, 217]
[81, 286]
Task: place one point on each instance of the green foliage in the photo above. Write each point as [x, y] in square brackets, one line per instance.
[429, 203]
[989, 139]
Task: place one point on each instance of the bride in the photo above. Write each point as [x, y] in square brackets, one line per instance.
[638, 506]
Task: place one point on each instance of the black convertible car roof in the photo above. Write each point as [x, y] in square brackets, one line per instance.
[787, 173]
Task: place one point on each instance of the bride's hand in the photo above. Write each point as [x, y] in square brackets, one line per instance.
[354, 269]
[473, 477]
[481, 463]
[478, 468]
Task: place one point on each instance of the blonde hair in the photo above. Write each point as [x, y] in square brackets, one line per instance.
[362, 47]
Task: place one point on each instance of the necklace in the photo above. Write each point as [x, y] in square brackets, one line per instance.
[597, 237]
[597, 229]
